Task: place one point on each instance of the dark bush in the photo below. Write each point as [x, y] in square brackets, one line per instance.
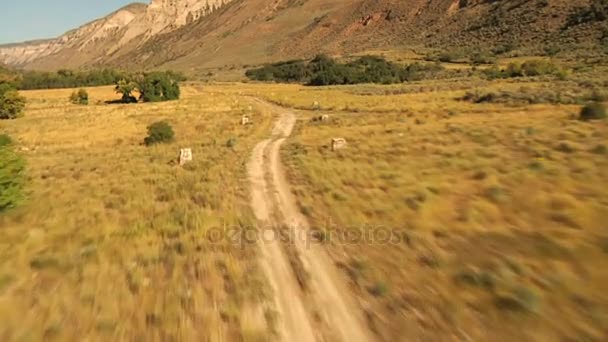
[80, 97]
[12, 168]
[11, 103]
[593, 111]
[159, 132]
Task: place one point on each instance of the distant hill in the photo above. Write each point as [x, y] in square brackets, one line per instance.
[197, 34]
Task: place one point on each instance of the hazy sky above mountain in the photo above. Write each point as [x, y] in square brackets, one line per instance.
[33, 19]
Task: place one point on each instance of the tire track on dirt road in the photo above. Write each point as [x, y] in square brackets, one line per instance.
[327, 298]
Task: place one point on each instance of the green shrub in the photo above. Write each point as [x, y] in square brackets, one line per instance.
[593, 111]
[12, 168]
[80, 97]
[11, 103]
[482, 58]
[159, 132]
[539, 67]
[503, 49]
[5, 140]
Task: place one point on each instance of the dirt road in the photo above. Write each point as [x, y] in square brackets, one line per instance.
[324, 310]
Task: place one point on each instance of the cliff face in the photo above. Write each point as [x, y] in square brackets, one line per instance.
[117, 33]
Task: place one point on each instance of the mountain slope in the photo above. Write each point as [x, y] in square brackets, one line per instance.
[198, 34]
[255, 31]
[118, 33]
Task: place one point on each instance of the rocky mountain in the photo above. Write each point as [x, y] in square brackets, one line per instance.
[119, 32]
[193, 35]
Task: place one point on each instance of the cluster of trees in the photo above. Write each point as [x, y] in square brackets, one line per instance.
[152, 87]
[323, 70]
[11, 103]
[68, 79]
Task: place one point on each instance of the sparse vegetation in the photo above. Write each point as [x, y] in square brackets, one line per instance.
[596, 11]
[159, 132]
[80, 97]
[537, 67]
[480, 165]
[140, 236]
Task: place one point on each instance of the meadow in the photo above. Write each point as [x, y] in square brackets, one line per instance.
[495, 211]
[112, 239]
[485, 220]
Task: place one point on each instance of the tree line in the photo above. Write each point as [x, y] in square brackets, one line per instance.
[30, 80]
[324, 70]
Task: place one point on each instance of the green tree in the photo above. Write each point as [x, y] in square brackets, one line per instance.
[126, 89]
[159, 86]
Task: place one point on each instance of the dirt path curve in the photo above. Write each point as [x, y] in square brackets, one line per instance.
[327, 302]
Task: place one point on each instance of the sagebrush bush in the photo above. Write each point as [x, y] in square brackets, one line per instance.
[80, 97]
[159, 132]
[593, 111]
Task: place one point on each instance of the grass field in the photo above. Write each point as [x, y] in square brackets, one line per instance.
[496, 212]
[111, 242]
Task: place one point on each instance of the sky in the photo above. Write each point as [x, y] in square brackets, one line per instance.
[22, 20]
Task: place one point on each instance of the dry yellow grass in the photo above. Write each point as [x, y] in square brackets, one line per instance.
[111, 243]
[498, 212]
